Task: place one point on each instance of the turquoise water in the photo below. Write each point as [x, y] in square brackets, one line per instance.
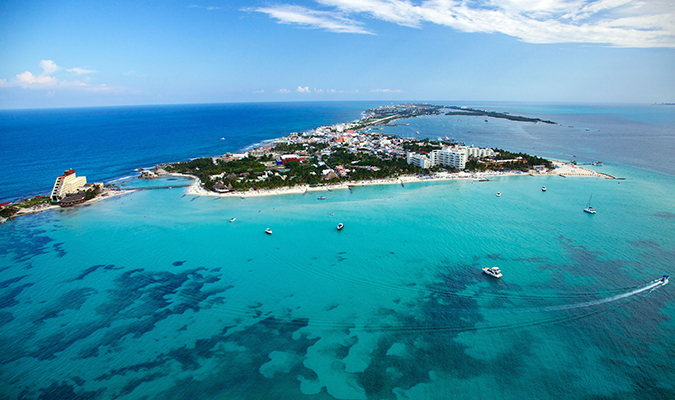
[155, 294]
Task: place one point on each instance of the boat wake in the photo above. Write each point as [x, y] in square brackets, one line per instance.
[649, 288]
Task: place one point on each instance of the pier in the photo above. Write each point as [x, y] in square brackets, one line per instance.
[158, 187]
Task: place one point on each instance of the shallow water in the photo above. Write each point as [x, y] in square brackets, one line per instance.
[155, 294]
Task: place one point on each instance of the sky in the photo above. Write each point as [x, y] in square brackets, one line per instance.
[71, 53]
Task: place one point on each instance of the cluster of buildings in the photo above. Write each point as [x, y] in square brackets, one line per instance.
[449, 156]
[349, 137]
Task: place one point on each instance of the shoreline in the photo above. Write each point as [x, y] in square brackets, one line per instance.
[562, 169]
[41, 208]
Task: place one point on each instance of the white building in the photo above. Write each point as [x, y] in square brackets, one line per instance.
[480, 152]
[451, 156]
[66, 184]
[419, 160]
[454, 157]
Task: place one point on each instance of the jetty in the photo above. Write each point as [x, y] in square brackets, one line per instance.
[160, 187]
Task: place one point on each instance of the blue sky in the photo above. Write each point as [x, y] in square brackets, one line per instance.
[88, 53]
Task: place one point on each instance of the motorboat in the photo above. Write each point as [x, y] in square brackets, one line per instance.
[543, 188]
[494, 272]
[232, 219]
[268, 231]
[665, 280]
[499, 194]
[322, 198]
[340, 226]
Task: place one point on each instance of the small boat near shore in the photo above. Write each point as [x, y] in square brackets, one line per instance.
[268, 231]
[232, 219]
[499, 194]
[340, 226]
[665, 279]
[493, 272]
[322, 198]
[543, 188]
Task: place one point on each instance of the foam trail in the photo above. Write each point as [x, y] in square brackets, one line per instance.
[653, 285]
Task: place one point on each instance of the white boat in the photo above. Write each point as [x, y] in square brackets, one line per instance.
[268, 231]
[340, 226]
[664, 280]
[322, 198]
[543, 188]
[494, 272]
[588, 208]
[499, 194]
[232, 219]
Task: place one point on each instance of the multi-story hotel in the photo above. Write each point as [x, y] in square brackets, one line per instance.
[67, 184]
[451, 156]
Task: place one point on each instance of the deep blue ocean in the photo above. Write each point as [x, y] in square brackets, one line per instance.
[112, 142]
[156, 295]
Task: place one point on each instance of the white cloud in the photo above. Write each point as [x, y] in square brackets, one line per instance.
[301, 89]
[284, 91]
[621, 23]
[259, 91]
[80, 71]
[48, 66]
[387, 90]
[43, 81]
[209, 8]
[329, 21]
[28, 80]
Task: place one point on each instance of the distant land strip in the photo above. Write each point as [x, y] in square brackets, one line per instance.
[493, 114]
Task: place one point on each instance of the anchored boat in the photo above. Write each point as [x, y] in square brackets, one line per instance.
[494, 272]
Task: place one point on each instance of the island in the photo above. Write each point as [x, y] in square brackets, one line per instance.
[352, 154]
[485, 113]
[344, 155]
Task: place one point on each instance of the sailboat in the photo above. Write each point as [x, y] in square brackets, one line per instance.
[588, 208]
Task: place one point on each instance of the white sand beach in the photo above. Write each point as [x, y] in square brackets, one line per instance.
[562, 168]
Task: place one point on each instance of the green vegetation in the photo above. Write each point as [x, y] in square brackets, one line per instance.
[423, 146]
[482, 113]
[204, 168]
[29, 202]
[92, 192]
[8, 211]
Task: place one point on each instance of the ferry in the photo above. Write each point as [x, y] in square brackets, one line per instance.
[494, 272]
[499, 194]
[543, 188]
[268, 231]
[232, 219]
[340, 226]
